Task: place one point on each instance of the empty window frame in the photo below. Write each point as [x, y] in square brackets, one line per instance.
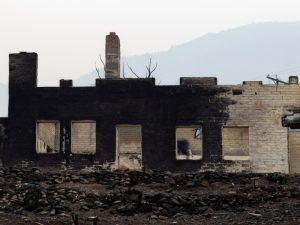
[235, 141]
[47, 137]
[83, 137]
[129, 146]
[189, 142]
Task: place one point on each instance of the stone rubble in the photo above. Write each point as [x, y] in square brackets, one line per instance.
[30, 190]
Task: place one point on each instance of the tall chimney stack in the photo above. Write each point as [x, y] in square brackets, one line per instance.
[112, 56]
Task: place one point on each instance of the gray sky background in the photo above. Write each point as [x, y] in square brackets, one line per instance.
[68, 35]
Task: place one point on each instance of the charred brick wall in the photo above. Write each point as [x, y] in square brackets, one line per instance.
[158, 109]
[4, 121]
[22, 83]
[4, 133]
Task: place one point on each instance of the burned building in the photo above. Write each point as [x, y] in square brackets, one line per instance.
[134, 123]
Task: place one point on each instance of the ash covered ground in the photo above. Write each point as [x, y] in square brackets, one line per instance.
[94, 196]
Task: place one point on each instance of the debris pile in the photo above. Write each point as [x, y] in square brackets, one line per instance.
[158, 194]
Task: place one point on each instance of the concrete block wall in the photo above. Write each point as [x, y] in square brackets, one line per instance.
[159, 110]
[261, 108]
[226, 167]
[83, 136]
[202, 81]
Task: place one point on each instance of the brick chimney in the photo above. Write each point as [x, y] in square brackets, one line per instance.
[112, 56]
[22, 70]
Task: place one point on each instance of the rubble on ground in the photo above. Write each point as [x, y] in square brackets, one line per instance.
[160, 195]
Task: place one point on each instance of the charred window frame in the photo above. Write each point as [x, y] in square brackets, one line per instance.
[47, 136]
[235, 143]
[189, 142]
[83, 137]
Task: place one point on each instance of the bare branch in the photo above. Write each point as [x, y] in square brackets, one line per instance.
[104, 67]
[97, 70]
[150, 71]
[153, 68]
[148, 67]
[132, 71]
[123, 71]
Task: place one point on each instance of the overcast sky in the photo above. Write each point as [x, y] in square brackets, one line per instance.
[69, 34]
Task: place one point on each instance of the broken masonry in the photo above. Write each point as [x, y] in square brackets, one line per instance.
[132, 123]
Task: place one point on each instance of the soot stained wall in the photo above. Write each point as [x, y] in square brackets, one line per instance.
[4, 133]
[263, 109]
[159, 109]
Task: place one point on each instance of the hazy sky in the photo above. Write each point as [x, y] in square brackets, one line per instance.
[69, 34]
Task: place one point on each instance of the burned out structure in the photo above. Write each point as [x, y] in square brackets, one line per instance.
[133, 123]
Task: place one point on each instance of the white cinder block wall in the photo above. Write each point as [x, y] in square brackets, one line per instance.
[261, 108]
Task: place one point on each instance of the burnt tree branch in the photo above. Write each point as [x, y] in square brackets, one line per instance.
[132, 71]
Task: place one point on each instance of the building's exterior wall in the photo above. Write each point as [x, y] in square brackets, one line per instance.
[158, 110]
[4, 133]
[262, 108]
